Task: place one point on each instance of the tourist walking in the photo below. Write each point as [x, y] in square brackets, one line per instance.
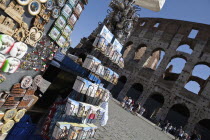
[124, 101]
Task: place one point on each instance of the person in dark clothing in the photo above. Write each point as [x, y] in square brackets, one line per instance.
[194, 135]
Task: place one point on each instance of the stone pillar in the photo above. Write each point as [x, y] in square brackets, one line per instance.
[162, 113]
[110, 86]
[146, 55]
[124, 91]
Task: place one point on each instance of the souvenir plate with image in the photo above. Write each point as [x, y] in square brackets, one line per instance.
[66, 11]
[78, 9]
[61, 41]
[106, 34]
[54, 33]
[67, 31]
[72, 2]
[117, 46]
[72, 20]
[60, 22]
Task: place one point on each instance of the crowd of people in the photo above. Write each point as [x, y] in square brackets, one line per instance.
[129, 104]
[178, 132]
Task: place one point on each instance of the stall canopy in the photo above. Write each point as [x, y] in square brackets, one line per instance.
[154, 5]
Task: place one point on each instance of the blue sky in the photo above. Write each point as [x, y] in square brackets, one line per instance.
[189, 10]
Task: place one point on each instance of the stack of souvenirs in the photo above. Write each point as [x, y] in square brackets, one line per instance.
[65, 22]
[11, 53]
[109, 46]
[15, 103]
[94, 65]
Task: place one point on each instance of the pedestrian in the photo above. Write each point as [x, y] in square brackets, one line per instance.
[181, 133]
[185, 136]
[194, 136]
[173, 131]
[166, 127]
[124, 101]
[142, 110]
[169, 129]
[128, 102]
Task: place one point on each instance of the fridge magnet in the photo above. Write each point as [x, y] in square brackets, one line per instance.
[26, 82]
[61, 3]
[50, 4]
[72, 20]
[56, 12]
[23, 2]
[34, 36]
[7, 25]
[7, 126]
[61, 41]
[78, 9]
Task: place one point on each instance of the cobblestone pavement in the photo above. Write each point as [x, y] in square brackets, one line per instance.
[122, 125]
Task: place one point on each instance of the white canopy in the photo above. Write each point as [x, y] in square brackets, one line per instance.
[154, 5]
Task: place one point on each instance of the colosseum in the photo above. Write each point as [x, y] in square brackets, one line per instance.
[149, 79]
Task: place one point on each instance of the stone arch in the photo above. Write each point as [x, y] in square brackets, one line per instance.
[153, 104]
[139, 51]
[127, 48]
[155, 58]
[201, 70]
[193, 86]
[185, 48]
[135, 91]
[178, 115]
[117, 88]
[176, 64]
[203, 129]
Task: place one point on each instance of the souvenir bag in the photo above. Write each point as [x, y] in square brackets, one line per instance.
[92, 130]
[74, 131]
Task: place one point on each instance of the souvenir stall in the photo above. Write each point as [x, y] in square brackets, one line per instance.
[87, 103]
[28, 43]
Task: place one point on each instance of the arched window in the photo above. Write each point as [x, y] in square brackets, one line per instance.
[152, 105]
[154, 60]
[202, 71]
[178, 115]
[203, 129]
[117, 88]
[126, 49]
[176, 65]
[140, 50]
[135, 91]
[185, 48]
[193, 87]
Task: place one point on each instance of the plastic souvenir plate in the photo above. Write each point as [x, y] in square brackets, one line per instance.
[72, 2]
[56, 12]
[7, 126]
[60, 22]
[23, 2]
[54, 33]
[2, 60]
[43, 1]
[19, 50]
[67, 31]
[11, 65]
[6, 43]
[50, 4]
[61, 3]
[20, 114]
[66, 11]
[72, 20]
[34, 7]
[78, 9]
[26, 82]
[2, 79]
[10, 114]
[61, 41]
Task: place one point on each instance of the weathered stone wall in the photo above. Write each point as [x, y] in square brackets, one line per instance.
[168, 36]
